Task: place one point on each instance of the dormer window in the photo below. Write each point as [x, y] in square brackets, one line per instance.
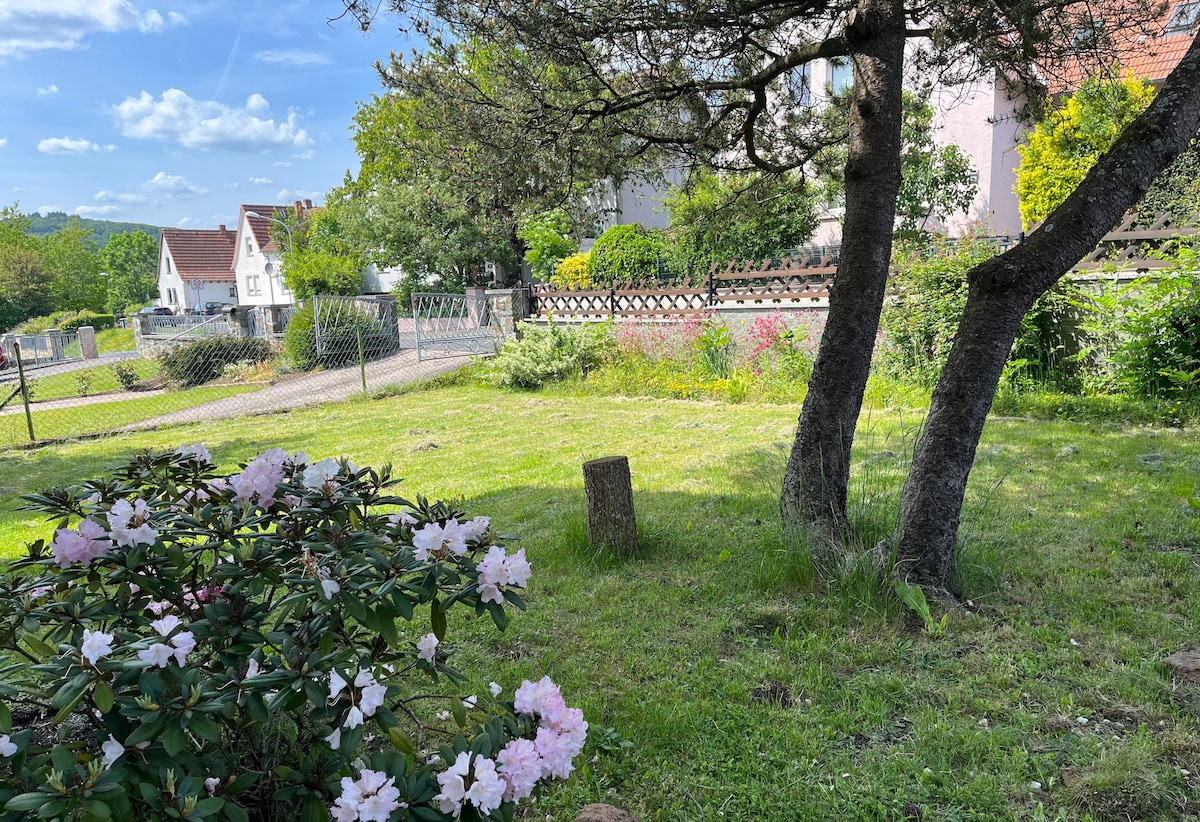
[249, 246]
[1183, 18]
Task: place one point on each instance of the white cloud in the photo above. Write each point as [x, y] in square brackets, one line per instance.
[306, 155]
[207, 124]
[3, 140]
[95, 211]
[66, 145]
[44, 210]
[174, 185]
[295, 58]
[260, 181]
[115, 197]
[33, 25]
[296, 194]
[174, 18]
[281, 164]
[48, 91]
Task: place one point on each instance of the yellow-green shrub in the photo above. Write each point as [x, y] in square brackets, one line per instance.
[573, 272]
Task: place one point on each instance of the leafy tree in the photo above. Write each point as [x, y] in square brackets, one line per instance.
[935, 181]
[722, 218]
[131, 261]
[713, 82]
[72, 258]
[24, 284]
[548, 241]
[1066, 144]
[323, 260]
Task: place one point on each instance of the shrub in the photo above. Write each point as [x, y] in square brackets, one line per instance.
[1158, 331]
[779, 350]
[627, 252]
[714, 344]
[574, 272]
[245, 646]
[202, 361]
[339, 343]
[83, 381]
[126, 374]
[551, 354]
[85, 317]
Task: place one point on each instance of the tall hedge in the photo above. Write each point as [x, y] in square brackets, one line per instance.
[627, 252]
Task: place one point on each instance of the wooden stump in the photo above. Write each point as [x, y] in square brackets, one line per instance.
[610, 518]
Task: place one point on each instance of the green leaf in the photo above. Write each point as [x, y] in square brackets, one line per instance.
[39, 646]
[102, 696]
[63, 759]
[438, 618]
[27, 801]
[5, 718]
[234, 813]
[460, 712]
[173, 739]
[401, 742]
[203, 727]
[314, 811]
[97, 809]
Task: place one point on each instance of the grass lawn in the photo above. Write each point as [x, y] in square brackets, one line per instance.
[124, 409]
[97, 380]
[721, 682]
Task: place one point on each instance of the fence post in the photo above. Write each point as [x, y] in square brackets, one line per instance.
[612, 300]
[712, 284]
[24, 390]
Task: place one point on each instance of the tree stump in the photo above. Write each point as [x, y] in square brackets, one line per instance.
[610, 518]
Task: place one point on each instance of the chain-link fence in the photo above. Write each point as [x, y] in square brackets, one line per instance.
[186, 369]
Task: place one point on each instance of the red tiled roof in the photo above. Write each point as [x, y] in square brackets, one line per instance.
[201, 253]
[261, 227]
[1151, 54]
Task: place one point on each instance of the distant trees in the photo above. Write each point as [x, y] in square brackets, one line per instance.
[131, 262]
[323, 260]
[62, 271]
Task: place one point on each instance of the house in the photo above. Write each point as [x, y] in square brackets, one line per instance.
[196, 266]
[981, 118]
[256, 259]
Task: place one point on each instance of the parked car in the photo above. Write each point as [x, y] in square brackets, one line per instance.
[210, 308]
[161, 310]
[4, 363]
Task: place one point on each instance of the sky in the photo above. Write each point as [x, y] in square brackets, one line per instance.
[174, 114]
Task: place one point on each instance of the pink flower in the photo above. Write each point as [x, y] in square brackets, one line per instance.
[556, 751]
[259, 479]
[81, 545]
[130, 523]
[95, 645]
[427, 648]
[474, 529]
[197, 452]
[453, 784]
[487, 790]
[521, 768]
[433, 539]
[157, 655]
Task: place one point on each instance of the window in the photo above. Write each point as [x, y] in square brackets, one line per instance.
[252, 286]
[799, 82]
[841, 75]
[249, 246]
[1184, 18]
[233, 291]
[171, 297]
[168, 265]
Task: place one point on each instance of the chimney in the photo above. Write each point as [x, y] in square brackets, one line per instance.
[221, 228]
[298, 207]
[308, 204]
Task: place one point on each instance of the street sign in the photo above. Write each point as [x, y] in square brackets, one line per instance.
[197, 283]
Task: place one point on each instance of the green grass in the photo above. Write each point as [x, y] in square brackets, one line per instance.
[746, 690]
[115, 339]
[60, 423]
[99, 379]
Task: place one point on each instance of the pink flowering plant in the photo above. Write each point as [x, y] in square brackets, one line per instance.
[267, 642]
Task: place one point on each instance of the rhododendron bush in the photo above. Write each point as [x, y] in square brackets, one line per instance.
[263, 644]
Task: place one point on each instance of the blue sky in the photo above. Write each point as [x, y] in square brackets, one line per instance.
[174, 114]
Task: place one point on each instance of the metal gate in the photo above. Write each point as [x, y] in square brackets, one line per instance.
[454, 325]
[350, 330]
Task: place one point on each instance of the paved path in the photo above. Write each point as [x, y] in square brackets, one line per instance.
[311, 389]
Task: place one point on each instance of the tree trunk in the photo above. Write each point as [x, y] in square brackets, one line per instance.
[610, 516]
[1001, 291]
[818, 470]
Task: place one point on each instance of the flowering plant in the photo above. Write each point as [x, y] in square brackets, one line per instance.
[243, 646]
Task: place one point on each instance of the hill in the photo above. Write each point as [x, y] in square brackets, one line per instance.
[103, 229]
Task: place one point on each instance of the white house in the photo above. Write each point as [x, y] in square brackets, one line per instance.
[196, 266]
[256, 258]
